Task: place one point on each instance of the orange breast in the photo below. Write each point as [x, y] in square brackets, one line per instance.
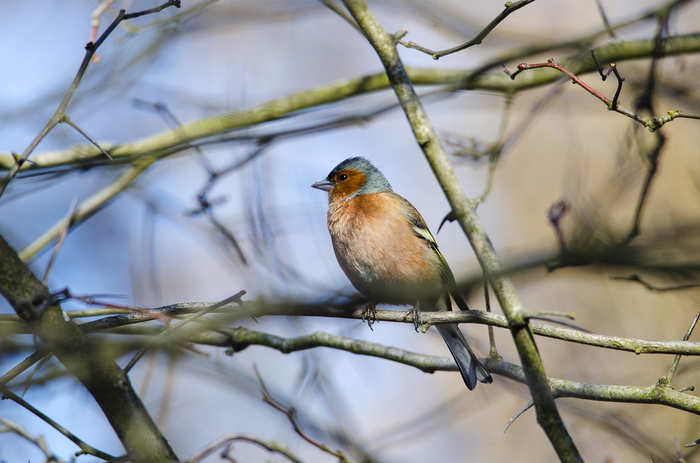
[380, 253]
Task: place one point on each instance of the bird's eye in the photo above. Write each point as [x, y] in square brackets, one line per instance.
[343, 177]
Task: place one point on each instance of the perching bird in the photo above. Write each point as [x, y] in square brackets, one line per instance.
[386, 250]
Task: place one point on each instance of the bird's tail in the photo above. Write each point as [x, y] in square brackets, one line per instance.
[470, 366]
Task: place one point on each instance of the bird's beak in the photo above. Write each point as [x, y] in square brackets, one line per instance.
[324, 185]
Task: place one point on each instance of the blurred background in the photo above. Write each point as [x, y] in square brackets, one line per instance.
[149, 247]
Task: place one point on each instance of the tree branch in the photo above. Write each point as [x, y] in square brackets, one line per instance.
[456, 79]
[60, 115]
[510, 8]
[106, 382]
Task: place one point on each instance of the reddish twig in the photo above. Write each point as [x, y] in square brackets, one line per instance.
[652, 124]
[613, 105]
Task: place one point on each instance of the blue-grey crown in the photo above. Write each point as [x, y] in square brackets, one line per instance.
[376, 182]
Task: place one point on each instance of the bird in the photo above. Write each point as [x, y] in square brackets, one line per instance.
[389, 255]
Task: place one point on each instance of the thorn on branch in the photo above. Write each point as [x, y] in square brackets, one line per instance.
[613, 69]
[397, 36]
[556, 212]
[450, 217]
[517, 414]
[693, 444]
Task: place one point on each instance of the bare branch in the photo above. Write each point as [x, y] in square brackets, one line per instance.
[61, 237]
[510, 8]
[39, 442]
[60, 114]
[527, 407]
[677, 358]
[84, 448]
[455, 79]
[271, 446]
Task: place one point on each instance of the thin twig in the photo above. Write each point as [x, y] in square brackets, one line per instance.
[528, 406]
[487, 301]
[68, 121]
[271, 446]
[24, 365]
[60, 114]
[337, 9]
[637, 279]
[510, 7]
[236, 298]
[24, 434]
[604, 17]
[88, 207]
[85, 448]
[290, 413]
[497, 148]
[59, 243]
[652, 124]
[611, 106]
[677, 358]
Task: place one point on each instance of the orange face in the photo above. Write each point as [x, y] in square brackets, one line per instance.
[346, 182]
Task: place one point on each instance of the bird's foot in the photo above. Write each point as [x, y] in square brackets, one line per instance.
[369, 314]
[413, 312]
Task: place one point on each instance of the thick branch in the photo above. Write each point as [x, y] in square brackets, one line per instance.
[633, 345]
[239, 339]
[106, 382]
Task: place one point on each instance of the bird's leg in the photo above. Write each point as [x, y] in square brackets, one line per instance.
[414, 312]
[369, 313]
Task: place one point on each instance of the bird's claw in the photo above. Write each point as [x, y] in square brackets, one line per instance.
[414, 313]
[369, 314]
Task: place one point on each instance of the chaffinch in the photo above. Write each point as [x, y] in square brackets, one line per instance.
[386, 250]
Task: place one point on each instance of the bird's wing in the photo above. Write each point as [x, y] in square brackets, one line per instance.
[420, 228]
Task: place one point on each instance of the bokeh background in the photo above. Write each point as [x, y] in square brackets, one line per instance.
[145, 249]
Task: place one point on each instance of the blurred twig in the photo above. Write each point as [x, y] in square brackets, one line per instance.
[60, 115]
[105, 381]
[290, 412]
[271, 446]
[176, 140]
[85, 448]
[637, 279]
[88, 207]
[59, 243]
[39, 442]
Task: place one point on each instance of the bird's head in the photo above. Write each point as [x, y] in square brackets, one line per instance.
[353, 177]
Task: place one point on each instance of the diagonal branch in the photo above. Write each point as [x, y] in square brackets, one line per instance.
[102, 377]
[465, 210]
[84, 447]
